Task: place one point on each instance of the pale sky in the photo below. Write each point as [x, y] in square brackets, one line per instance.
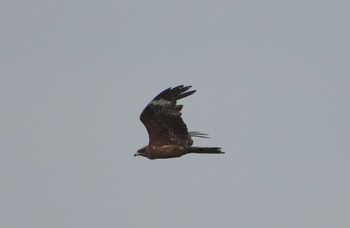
[273, 90]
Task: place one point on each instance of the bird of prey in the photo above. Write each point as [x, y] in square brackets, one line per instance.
[168, 134]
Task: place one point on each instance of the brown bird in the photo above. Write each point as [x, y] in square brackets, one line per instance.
[168, 134]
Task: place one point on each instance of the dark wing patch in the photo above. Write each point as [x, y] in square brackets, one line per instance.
[162, 118]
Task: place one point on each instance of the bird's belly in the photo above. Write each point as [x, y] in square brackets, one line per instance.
[167, 151]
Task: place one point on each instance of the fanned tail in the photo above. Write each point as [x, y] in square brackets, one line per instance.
[206, 150]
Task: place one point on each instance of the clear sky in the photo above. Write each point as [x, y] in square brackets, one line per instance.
[273, 90]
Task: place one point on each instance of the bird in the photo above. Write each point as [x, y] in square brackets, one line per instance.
[168, 133]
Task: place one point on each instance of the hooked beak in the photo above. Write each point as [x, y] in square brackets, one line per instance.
[137, 154]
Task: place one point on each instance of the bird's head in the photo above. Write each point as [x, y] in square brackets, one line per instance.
[141, 152]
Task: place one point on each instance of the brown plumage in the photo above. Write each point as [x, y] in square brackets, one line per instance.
[168, 134]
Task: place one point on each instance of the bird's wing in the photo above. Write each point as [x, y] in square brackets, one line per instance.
[162, 118]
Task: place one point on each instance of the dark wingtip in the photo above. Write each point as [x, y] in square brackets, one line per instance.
[199, 134]
[175, 93]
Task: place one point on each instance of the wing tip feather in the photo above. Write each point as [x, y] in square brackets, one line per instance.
[175, 93]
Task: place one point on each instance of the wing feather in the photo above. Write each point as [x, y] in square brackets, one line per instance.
[162, 118]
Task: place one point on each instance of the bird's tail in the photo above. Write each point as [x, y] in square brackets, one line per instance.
[206, 150]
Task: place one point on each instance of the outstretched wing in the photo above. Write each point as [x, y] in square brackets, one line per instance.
[162, 118]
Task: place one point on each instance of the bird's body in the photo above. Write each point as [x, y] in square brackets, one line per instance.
[168, 134]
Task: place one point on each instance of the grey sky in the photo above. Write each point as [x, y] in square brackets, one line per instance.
[273, 81]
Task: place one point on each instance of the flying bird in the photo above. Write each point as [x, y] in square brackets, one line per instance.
[168, 134]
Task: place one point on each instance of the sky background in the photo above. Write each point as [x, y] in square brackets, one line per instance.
[273, 81]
